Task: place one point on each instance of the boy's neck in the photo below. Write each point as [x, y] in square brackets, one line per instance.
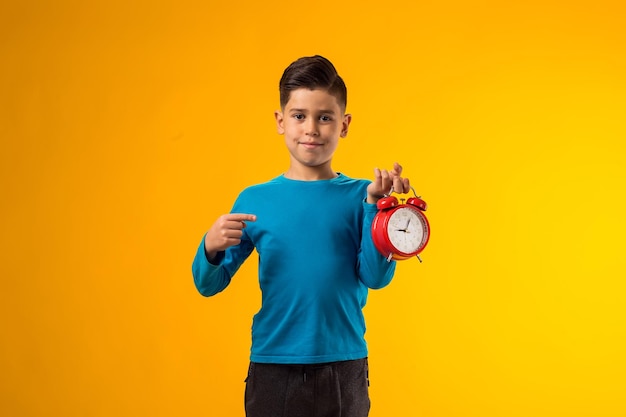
[310, 174]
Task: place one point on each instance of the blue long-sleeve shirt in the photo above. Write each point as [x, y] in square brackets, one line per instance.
[316, 263]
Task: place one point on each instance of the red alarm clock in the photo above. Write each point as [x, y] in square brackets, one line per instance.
[400, 231]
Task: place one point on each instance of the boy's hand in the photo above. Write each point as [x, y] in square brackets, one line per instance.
[383, 180]
[225, 232]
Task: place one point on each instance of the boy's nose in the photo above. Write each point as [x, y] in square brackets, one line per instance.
[311, 129]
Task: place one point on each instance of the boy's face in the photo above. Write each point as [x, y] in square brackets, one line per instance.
[312, 122]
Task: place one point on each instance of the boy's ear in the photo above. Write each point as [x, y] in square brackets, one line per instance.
[347, 118]
[278, 115]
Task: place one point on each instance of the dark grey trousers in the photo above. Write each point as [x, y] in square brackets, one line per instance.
[336, 389]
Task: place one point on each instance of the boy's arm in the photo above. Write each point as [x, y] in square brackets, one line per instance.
[213, 277]
[222, 251]
[208, 277]
[374, 270]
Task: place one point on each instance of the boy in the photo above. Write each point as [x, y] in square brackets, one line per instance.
[311, 229]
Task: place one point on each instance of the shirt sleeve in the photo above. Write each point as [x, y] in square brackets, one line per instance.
[212, 278]
[374, 270]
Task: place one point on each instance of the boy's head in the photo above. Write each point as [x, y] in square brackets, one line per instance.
[313, 72]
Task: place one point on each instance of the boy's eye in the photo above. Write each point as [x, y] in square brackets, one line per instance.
[298, 116]
[325, 118]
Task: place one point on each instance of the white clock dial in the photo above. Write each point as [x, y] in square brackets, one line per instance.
[406, 229]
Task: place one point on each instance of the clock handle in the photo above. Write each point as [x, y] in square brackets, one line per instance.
[412, 189]
[415, 201]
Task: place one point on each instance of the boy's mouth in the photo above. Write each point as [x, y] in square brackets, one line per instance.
[310, 145]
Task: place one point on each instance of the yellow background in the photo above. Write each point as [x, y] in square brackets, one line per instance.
[128, 127]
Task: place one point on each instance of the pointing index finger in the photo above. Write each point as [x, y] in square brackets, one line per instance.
[241, 217]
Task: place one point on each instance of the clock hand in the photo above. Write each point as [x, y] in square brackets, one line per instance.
[405, 227]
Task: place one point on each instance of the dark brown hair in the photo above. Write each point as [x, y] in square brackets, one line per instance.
[312, 72]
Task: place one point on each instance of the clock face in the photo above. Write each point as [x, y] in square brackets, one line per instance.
[406, 229]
